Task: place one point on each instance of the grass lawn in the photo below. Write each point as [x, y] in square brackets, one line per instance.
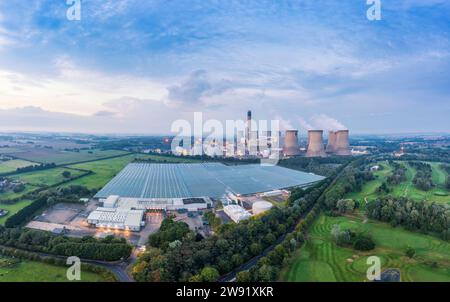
[13, 209]
[321, 260]
[12, 165]
[12, 270]
[45, 178]
[407, 188]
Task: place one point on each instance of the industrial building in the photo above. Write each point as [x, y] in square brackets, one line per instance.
[236, 213]
[291, 147]
[117, 218]
[261, 207]
[147, 181]
[315, 144]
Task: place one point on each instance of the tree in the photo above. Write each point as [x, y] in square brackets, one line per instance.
[243, 276]
[209, 274]
[363, 243]
[66, 174]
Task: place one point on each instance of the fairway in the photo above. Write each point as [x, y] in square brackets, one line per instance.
[14, 270]
[321, 260]
[405, 189]
[13, 209]
[12, 165]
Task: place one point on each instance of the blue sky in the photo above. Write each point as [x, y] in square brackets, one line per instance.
[136, 66]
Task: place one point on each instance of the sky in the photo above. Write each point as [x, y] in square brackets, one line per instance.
[131, 66]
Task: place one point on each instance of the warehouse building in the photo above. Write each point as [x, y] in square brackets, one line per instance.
[117, 218]
[236, 213]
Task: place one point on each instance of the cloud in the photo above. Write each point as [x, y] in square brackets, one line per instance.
[196, 89]
[325, 122]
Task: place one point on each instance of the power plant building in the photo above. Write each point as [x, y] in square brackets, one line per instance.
[331, 146]
[342, 143]
[291, 147]
[316, 147]
[236, 213]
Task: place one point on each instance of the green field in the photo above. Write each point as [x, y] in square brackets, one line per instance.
[321, 260]
[105, 170]
[407, 188]
[42, 155]
[13, 209]
[11, 195]
[47, 177]
[12, 165]
[12, 270]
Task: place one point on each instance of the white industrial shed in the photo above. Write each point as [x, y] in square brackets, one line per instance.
[116, 218]
[236, 213]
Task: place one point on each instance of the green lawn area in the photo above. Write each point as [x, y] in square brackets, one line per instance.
[12, 165]
[33, 271]
[13, 209]
[45, 178]
[321, 260]
[407, 188]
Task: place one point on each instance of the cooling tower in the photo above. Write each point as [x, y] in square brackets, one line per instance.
[315, 144]
[291, 147]
[342, 143]
[331, 147]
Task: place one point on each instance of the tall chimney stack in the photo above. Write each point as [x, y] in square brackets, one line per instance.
[291, 147]
[331, 147]
[249, 131]
[342, 143]
[315, 144]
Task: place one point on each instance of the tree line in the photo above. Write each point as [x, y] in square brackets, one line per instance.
[107, 249]
[416, 216]
[423, 178]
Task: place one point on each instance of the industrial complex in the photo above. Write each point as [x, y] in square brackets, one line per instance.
[142, 187]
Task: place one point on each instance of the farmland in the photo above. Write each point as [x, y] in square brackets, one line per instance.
[405, 189]
[105, 170]
[12, 165]
[320, 259]
[12, 209]
[15, 270]
[43, 155]
[47, 177]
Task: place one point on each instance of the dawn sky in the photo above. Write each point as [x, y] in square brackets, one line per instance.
[135, 66]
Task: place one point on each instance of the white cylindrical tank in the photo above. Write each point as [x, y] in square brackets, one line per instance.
[260, 207]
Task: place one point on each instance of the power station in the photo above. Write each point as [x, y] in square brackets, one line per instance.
[315, 144]
[291, 147]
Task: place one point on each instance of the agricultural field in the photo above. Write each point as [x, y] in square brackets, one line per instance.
[16, 270]
[12, 165]
[407, 188]
[45, 178]
[11, 195]
[105, 170]
[43, 155]
[321, 260]
[13, 209]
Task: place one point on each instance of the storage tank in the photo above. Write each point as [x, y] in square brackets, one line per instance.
[342, 143]
[331, 147]
[260, 207]
[291, 147]
[315, 144]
